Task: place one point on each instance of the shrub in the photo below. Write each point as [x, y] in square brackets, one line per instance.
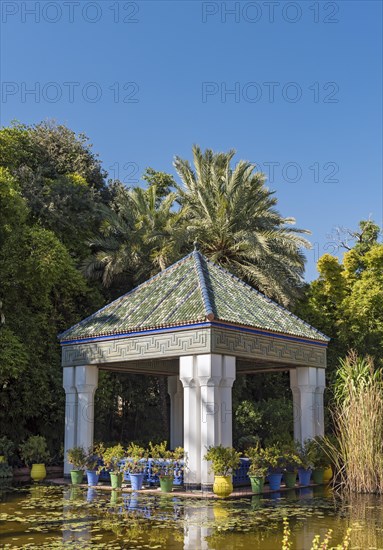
[34, 450]
[223, 459]
[77, 457]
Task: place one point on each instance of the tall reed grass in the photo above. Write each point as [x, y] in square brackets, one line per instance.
[357, 453]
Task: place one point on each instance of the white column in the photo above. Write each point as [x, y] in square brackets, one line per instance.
[176, 393]
[86, 385]
[304, 383]
[70, 432]
[209, 369]
[226, 385]
[192, 421]
[296, 405]
[319, 404]
[207, 380]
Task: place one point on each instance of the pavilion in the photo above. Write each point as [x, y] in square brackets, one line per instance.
[199, 325]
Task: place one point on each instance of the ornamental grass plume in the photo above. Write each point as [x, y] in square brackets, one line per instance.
[357, 453]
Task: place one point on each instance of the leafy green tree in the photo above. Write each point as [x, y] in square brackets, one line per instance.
[13, 208]
[232, 214]
[42, 294]
[60, 178]
[346, 301]
[141, 234]
[164, 183]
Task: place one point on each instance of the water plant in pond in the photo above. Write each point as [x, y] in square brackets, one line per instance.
[358, 417]
[317, 543]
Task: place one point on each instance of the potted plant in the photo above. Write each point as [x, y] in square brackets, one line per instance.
[320, 459]
[305, 452]
[164, 464]
[275, 463]
[291, 466]
[257, 468]
[136, 464]
[35, 453]
[223, 461]
[111, 458]
[92, 463]
[77, 457]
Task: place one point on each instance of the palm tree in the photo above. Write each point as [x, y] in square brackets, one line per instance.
[141, 235]
[232, 215]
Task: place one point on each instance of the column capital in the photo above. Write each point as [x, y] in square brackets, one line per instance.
[86, 388]
[307, 388]
[86, 378]
[188, 382]
[211, 381]
[69, 383]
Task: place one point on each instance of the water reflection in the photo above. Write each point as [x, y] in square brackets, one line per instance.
[84, 518]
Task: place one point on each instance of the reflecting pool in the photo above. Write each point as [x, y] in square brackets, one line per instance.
[45, 516]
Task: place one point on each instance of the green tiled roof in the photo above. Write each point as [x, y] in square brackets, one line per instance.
[190, 291]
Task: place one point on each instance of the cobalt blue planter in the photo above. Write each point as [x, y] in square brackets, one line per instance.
[304, 476]
[136, 481]
[92, 477]
[275, 481]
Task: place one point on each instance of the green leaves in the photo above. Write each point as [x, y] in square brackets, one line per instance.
[231, 213]
[223, 459]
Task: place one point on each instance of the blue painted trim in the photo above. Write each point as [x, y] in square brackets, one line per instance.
[235, 328]
[133, 334]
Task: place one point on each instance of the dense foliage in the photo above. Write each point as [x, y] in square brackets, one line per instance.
[71, 240]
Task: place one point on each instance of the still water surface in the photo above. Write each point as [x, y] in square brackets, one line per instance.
[67, 517]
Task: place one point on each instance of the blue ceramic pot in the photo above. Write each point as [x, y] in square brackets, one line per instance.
[275, 481]
[304, 476]
[136, 481]
[92, 477]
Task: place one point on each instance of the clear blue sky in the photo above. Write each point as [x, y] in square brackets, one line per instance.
[306, 82]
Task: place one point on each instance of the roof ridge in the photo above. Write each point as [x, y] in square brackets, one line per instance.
[203, 286]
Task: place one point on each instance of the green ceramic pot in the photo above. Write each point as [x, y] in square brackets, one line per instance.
[76, 476]
[290, 479]
[318, 476]
[257, 484]
[166, 484]
[116, 480]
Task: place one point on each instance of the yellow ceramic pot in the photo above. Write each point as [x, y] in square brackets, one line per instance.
[328, 473]
[223, 486]
[38, 472]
